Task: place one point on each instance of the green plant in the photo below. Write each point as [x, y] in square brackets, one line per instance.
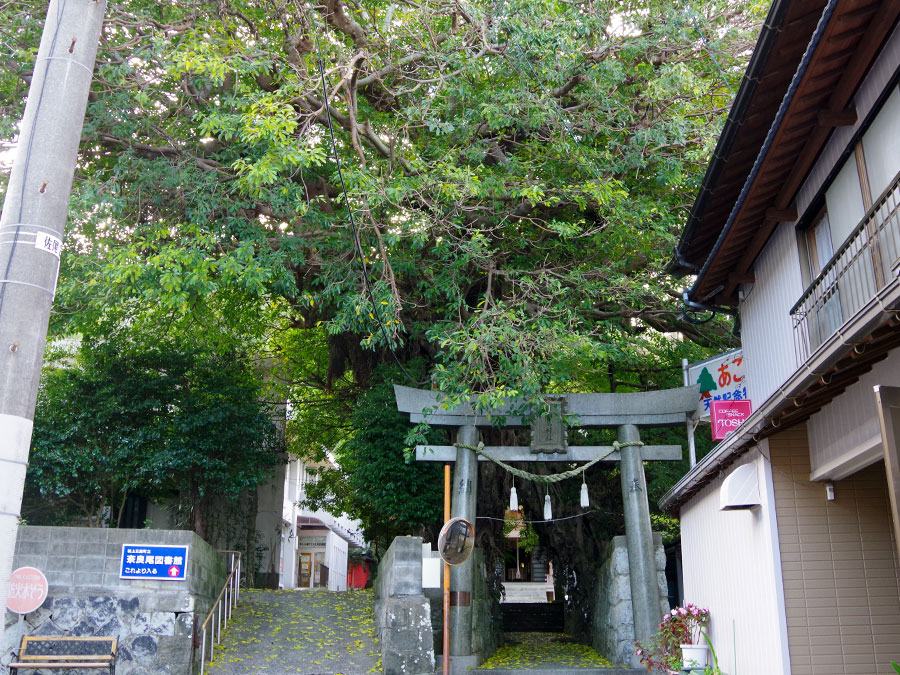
[682, 625]
[714, 668]
[895, 666]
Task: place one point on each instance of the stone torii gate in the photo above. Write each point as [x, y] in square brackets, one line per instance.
[626, 412]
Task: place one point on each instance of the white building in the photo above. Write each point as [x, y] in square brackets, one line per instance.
[314, 544]
[797, 228]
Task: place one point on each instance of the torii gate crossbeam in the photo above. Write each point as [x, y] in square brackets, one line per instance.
[626, 412]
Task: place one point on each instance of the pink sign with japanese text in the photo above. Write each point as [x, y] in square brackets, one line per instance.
[726, 416]
[27, 590]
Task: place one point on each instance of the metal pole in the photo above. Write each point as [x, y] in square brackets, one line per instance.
[202, 650]
[690, 423]
[446, 644]
[462, 577]
[31, 229]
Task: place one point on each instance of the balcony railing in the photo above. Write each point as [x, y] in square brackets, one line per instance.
[861, 267]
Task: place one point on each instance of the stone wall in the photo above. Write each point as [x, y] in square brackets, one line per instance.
[153, 620]
[613, 628]
[402, 613]
[487, 622]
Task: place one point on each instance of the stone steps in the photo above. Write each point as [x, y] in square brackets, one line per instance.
[525, 591]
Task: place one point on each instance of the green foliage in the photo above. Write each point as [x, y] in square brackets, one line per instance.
[373, 481]
[516, 174]
[117, 418]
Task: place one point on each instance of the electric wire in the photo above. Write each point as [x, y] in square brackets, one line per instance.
[12, 250]
[710, 52]
[376, 314]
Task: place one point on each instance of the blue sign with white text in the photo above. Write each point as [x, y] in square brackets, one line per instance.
[143, 561]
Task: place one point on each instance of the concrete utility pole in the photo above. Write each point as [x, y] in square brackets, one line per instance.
[31, 232]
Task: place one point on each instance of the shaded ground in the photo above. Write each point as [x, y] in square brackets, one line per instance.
[307, 632]
[544, 651]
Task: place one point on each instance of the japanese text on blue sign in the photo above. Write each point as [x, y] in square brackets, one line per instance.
[166, 563]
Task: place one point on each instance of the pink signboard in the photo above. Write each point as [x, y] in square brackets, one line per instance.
[726, 416]
[27, 590]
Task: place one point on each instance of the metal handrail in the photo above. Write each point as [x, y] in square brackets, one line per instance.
[230, 593]
[860, 267]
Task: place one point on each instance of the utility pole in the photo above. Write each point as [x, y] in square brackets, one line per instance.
[32, 225]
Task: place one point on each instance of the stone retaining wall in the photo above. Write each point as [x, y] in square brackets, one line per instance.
[402, 612]
[613, 629]
[153, 620]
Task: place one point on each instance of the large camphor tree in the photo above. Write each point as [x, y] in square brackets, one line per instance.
[511, 178]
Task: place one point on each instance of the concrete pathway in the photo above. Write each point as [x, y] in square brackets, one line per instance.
[547, 653]
[308, 632]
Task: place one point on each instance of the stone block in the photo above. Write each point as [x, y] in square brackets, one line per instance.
[140, 624]
[621, 588]
[32, 533]
[174, 652]
[68, 534]
[620, 560]
[88, 580]
[60, 563]
[89, 538]
[393, 663]
[403, 639]
[31, 548]
[143, 649]
[60, 580]
[84, 563]
[184, 623]
[162, 623]
[100, 609]
[66, 613]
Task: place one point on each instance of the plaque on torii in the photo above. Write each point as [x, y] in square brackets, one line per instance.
[626, 412]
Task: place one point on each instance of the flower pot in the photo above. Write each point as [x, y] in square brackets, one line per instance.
[694, 656]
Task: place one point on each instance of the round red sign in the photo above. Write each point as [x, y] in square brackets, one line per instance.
[27, 590]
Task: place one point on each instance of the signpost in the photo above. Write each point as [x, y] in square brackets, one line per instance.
[162, 563]
[720, 378]
[27, 591]
[728, 416]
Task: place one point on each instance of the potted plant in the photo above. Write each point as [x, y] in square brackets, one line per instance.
[678, 644]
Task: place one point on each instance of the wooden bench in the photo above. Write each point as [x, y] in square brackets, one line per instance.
[66, 652]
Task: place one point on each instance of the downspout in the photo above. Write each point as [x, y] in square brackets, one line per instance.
[776, 125]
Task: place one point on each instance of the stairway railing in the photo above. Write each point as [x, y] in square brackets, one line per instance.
[217, 619]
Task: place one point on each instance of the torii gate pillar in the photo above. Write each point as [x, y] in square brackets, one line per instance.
[645, 600]
[462, 577]
[624, 412]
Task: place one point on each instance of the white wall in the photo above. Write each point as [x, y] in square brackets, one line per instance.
[767, 334]
[844, 436]
[336, 562]
[732, 566]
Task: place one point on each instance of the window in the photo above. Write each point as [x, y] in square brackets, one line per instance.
[882, 146]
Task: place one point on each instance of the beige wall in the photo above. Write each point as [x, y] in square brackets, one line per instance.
[730, 566]
[839, 565]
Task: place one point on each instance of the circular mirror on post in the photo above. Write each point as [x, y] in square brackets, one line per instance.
[456, 541]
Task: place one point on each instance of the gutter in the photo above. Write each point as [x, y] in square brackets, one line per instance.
[678, 265]
[770, 137]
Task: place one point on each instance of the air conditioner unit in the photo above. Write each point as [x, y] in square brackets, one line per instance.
[740, 489]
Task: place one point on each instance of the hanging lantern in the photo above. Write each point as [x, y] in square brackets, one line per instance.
[548, 513]
[513, 499]
[584, 495]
